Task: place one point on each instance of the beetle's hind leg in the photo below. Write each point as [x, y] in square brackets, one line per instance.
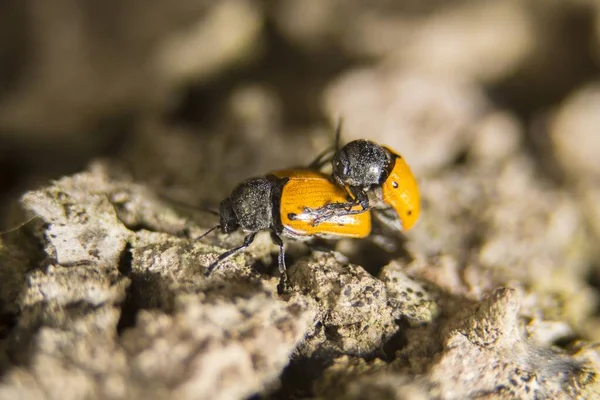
[284, 283]
[247, 242]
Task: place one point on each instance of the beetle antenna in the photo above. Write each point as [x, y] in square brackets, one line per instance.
[22, 224]
[207, 232]
[189, 206]
[325, 156]
[338, 134]
[206, 209]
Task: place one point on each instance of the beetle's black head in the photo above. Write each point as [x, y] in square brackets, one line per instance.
[361, 163]
[227, 218]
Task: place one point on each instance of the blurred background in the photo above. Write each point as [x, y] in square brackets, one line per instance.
[198, 92]
[192, 96]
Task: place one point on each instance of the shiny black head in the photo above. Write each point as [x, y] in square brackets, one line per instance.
[361, 163]
[250, 207]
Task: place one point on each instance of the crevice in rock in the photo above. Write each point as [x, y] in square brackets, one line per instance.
[81, 308]
[8, 321]
[129, 306]
[126, 261]
[267, 269]
[140, 226]
[20, 342]
[372, 257]
[396, 342]
[593, 279]
[298, 378]
[567, 342]
[145, 292]
[332, 334]
[461, 159]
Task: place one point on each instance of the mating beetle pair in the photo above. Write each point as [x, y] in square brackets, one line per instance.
[305, 203]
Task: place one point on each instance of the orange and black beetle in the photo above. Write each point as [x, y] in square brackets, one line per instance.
[375, 176]
[281, 202]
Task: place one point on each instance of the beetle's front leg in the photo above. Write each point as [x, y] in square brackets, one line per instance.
[331, 210]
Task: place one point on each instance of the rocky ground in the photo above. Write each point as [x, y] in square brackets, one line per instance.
[114, 113]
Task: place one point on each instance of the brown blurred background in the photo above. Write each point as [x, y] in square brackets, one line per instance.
[198, 94]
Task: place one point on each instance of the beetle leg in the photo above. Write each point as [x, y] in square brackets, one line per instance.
[284, 283]
[247, 242]
[360, 197]
[338, 209]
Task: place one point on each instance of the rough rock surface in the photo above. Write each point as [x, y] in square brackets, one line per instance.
[494, 294]
[119, 313]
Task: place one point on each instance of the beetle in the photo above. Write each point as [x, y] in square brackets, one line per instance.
[280, 203]
[375, 176]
